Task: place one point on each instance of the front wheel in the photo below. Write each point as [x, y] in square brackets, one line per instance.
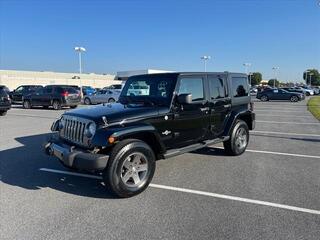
[111, 100]
[264, 98]
[294, 99]
[239, 139]
[87, 101]
[130, 168]
[3, 113]
[26, 104]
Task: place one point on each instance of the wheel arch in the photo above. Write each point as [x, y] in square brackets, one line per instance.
[247, 116]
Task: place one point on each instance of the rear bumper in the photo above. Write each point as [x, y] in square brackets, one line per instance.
[75, 157]
[67, 103]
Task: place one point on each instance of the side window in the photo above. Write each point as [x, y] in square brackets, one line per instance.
[20, 89]
[276, 91]
[240, 86]
[216, 86]
[193, 85]
[47, 90]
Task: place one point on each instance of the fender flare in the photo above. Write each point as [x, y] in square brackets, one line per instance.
[239, 115]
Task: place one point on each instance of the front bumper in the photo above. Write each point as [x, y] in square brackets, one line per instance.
[75, 157]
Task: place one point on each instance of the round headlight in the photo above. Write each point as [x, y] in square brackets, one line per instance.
[62, 123]
[91, 130]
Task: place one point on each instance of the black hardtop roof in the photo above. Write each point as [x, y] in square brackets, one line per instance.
[187, 73]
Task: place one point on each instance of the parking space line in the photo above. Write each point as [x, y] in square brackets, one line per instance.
[313, 123]
[282, 111]
[30, 115]
[203, 193]
[287, 133]
[271, 115]
[278, 153]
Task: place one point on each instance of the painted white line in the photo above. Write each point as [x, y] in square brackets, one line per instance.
[203, 193]
[283, 111]
[314, 123]
[31, 115]
[288, 133]
[290, 116]
[278, 153]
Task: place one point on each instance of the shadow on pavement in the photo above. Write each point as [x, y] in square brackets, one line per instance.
[20, 167]
[290, 138]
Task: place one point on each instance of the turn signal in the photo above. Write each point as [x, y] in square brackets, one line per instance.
[111, 139]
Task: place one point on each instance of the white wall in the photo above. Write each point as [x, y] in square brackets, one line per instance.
[13, 79]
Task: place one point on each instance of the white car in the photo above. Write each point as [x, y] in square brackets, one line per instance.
[102, 96]
[307, 91]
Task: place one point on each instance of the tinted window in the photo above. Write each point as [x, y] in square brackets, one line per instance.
[216, 87]
[47, 90]
[240, 86]
[193, 85]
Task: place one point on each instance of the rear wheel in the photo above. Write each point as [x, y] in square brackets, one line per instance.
[56, 105]
[3, 113]
[26, 104]
[130, 168]
[239, 139]
[111, 100]
[87, 101]
[294, 99]
[264, 98]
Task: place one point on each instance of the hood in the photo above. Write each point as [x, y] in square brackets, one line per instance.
[114, 112]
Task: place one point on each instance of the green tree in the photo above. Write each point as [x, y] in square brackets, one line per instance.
[270, 82]
[256, 78]
[314, 75]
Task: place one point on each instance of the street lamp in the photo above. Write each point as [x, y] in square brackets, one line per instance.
[275, 76]
[80, 50]
[247, 65]
[205, 59]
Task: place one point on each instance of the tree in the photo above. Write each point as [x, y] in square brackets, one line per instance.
[314, 75]
[270, 82]
[256, 78]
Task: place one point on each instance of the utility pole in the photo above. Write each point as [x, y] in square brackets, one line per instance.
[205, 59]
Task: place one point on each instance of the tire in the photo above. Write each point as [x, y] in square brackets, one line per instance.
[74, 106]
[56, 105]
[87, 101]
[294, 99]
[122, 175]
[236, 146]
[264, 98]
[3, 113]
[307, 94]
[111, 100]
[26, 104]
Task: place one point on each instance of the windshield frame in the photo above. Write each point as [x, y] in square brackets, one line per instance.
[156, 101]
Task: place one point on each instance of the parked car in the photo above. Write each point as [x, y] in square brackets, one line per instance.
[182, 112]
[102, 96]
[5, 101]
[307, 91]
[279, 94]
[294, 90]
[57, 96]
[316, 90]
[87, 90]
[17, 94]
[114, 86]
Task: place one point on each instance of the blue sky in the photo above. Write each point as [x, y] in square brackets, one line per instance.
[163, 34]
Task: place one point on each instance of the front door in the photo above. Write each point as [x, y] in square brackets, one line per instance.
[191, 121]
[219, 104]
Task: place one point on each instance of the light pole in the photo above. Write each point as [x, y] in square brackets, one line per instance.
[246, 66]
[275, 76]
[80, 50]
[205, 59]
[307, 76]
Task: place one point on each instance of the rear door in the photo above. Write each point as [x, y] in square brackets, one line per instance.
[219, 103]
[46, 97]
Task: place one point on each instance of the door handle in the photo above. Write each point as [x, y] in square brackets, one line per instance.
[227, 105]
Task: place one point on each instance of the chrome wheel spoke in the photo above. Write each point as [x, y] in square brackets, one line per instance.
[127, 164]
[142, 167]
[136, 178]
[126, 177]
[136, 160]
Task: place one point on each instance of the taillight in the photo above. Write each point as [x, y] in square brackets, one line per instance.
[65, 94]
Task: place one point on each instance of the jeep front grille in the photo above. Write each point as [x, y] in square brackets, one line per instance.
[74, 130]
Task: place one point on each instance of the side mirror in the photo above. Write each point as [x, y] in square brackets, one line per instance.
[185, 98]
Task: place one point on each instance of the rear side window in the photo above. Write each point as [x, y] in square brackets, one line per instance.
[47, 90]
[240, 86]
[216, 86]
[193, 85]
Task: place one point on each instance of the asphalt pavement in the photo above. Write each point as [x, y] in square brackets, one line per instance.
[270, 192]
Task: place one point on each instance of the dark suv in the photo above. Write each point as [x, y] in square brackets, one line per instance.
[5, 102]
[17, 94]
[57, 96]
[174, 114]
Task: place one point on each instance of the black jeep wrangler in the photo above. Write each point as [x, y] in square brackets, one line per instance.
[158, 116]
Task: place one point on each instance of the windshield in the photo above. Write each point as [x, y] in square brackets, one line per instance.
[153, 88]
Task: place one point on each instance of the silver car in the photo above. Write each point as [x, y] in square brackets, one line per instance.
[102, 96]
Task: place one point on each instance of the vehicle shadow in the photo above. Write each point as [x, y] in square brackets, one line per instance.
[211, 151]
[290, 138]
[20, 166]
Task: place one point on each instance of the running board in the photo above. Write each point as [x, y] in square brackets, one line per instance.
[193, 147]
